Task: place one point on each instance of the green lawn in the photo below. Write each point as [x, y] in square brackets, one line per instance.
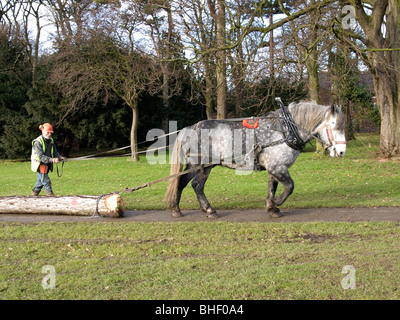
[212, 259]
[202, 260]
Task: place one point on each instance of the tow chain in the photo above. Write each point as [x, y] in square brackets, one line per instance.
[150, 183]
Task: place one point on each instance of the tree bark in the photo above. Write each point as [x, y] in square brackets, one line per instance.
[165, 67]
[312, 59]
[219, 18]
[105, 206]
[383, 63]
[387, 90]
[312, 70]
[133, 138]
[221, 62]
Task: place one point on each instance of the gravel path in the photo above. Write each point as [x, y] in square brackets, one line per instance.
[246, 215]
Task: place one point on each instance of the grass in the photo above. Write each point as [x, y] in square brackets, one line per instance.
[208, 260]
[199, 260]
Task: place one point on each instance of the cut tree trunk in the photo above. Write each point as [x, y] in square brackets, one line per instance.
[105, 205]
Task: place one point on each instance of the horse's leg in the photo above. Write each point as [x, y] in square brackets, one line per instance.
[183, 181]
[283, 177]
[198, 184]
[270, 205]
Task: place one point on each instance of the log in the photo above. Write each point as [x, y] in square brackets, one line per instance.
[105, 205]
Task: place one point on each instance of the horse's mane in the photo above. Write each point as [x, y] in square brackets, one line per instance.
[309, 114]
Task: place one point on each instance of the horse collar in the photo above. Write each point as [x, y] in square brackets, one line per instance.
[292, 137]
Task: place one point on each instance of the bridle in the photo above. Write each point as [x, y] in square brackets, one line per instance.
[291, 126]
[331, 139]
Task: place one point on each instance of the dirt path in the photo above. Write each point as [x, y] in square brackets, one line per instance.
[252, 215]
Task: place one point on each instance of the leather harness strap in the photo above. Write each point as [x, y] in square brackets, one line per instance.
[329, 134]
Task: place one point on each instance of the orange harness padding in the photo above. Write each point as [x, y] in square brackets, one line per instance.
[250, 126]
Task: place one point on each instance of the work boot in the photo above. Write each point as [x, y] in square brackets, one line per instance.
[50, 193]
[35, 193]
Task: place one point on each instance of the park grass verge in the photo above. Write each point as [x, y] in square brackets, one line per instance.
[201, 260]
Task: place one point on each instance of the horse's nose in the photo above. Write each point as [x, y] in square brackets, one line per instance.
[341, 154]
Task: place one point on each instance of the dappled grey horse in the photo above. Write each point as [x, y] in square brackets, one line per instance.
[272, 143]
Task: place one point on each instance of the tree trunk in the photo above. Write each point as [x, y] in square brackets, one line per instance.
[349, 130]
[313, 87]
[165, 94]
[386, 77]
[209, 99]
[387, 90]
[312, 70]
[221, 62]
[271, 50]
[219, 17]
[237, 70]
[165, 67]
[105, 206]
[383, 61]
[133, 138]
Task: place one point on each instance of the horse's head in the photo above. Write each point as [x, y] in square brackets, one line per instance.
[331, 132]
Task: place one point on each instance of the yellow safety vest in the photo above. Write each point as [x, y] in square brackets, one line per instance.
[35, 161]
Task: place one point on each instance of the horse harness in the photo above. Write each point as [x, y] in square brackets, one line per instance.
[329, 134]
[290, 134]
[287, 127]
[292, 137]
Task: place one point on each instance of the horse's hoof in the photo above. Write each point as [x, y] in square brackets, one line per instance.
[275, 213]
[212, 215]
[176, 214]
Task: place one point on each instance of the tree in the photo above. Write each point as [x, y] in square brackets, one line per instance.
[259, 101]
[15, 80]
[217, 11]
[380, 51]
[355, 98]
[98, 58]
[157, 16]
[91, 72]
[199, 29]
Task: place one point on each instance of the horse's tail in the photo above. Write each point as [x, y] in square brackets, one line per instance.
[176, 167]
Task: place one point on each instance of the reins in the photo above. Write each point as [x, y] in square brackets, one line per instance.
[62, 169]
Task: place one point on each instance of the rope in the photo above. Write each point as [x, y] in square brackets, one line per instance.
[97, 205]
[150, 183]
[126, 147]
[62, 170]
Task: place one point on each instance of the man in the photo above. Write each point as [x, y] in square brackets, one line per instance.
[44, 154]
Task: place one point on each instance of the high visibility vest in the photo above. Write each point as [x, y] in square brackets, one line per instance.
[35, 161]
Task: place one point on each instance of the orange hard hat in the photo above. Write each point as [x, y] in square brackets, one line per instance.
[46, 126]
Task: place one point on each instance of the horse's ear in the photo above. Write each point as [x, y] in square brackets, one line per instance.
[333, 109]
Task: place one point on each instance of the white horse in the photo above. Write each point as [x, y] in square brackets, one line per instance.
[276, 140]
